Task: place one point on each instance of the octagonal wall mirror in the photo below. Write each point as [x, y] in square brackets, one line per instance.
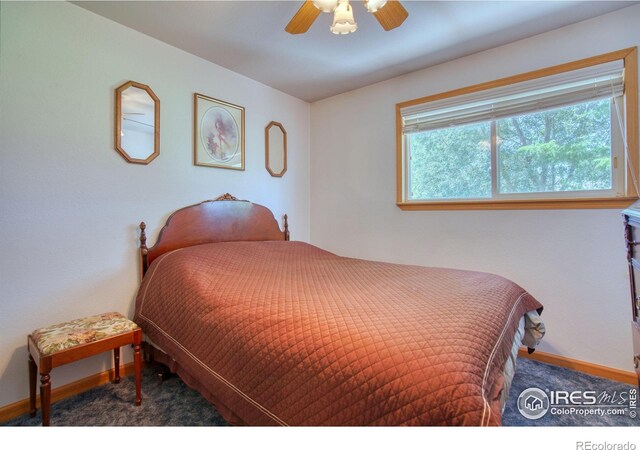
[275, 138]
[137, 123]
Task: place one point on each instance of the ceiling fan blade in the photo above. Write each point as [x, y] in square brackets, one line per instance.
[303, 19]
[391, 15]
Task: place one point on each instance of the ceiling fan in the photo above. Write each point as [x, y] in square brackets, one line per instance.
[390, 14]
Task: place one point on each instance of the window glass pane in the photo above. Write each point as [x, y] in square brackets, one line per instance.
[451, 163]
[564, 149]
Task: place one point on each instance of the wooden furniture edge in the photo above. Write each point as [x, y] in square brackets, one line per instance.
[21, 407]
[167, 239]
[581, 366]
[81, 351]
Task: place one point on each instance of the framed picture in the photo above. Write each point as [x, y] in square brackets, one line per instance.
[218, 133]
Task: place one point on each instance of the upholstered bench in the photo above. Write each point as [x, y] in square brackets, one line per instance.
[71, 341]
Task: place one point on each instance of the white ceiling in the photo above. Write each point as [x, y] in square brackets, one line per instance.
[248, 37]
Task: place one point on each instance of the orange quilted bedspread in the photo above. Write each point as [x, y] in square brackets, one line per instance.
[286, 333]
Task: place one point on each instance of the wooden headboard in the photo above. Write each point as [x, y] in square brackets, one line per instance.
[221, 220]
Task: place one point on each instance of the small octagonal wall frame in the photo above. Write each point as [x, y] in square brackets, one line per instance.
[275, 138]
[137, 123]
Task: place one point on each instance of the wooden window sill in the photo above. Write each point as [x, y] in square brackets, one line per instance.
[550, 203]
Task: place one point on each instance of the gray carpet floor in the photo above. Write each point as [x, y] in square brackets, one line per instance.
[172, 403]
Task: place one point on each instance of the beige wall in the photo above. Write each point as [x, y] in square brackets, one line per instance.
[70, 205]
[572, 261]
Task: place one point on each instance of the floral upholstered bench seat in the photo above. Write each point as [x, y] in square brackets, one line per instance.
[80, 331]
[67, 342]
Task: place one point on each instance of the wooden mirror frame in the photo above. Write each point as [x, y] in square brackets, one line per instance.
[118, 121]
[284, 145]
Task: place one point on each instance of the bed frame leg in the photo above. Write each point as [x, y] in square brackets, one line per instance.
[163, 373]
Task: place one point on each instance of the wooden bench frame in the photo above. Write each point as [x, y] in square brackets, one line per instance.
[48, 362]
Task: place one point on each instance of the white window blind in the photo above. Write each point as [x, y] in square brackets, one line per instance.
[582, 85]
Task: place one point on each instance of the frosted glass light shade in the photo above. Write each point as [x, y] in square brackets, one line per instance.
[374, 5]
[326, 5]
[343, 22]
[344, 28]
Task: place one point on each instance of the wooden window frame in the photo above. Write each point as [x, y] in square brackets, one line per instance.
[630, 58]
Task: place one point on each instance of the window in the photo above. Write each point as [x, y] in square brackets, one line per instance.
[548, 139]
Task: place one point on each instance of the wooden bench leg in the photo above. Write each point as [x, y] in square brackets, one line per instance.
[45, 397]
[33, 375]
[116, 364]
[137, 361]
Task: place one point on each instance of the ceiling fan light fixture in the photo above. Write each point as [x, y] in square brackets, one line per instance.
[374, 5]
[343, 21]
[344, 28]
[390, 14]
[326, 5]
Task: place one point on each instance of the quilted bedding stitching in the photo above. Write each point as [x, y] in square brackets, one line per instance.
[487, 409]
[192, 356]
[362, 349]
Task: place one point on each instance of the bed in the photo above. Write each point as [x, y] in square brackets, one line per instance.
[277, 332]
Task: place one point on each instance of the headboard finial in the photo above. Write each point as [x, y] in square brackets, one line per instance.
[143, 236]
[226, 196]
[143, 247]
[286, 227]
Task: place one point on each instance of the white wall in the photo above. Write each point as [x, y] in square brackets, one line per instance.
[574, 262]
[70, 204]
